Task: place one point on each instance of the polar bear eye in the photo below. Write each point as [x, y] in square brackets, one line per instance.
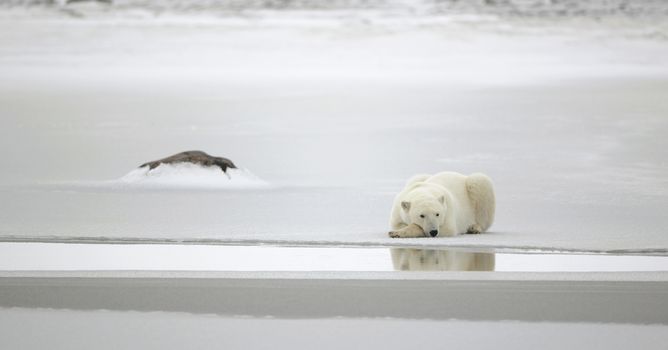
[422, 216]
[437, 214]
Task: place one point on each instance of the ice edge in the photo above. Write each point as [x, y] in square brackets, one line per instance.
[322, 243]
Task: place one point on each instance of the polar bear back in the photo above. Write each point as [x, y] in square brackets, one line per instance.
[455, 183]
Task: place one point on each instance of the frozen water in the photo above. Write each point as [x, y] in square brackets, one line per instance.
[334, 112]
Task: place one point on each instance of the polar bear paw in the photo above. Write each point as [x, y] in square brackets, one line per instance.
[474, 229]
[394, 234]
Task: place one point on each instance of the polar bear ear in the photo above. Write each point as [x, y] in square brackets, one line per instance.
[406, 205]
[441, 199]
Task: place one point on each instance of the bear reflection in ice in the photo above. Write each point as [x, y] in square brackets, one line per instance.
[406, 259]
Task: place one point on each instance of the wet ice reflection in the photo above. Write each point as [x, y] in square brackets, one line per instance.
[409, 259]
[186, 257]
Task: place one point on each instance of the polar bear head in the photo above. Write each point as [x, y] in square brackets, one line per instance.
[428, 212]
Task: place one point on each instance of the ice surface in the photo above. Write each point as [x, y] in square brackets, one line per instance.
[335, 112]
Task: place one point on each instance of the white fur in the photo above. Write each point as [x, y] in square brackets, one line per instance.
[446, 204]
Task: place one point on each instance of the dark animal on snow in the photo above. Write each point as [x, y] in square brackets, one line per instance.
[194, 157]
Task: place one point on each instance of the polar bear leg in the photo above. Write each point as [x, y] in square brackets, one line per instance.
[410, 231]
[481, 195]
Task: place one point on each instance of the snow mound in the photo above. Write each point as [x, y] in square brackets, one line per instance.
[187, 175]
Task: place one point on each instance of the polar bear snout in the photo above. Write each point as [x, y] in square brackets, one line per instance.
[430, 222]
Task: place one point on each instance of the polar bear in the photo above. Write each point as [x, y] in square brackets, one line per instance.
[445, 204]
